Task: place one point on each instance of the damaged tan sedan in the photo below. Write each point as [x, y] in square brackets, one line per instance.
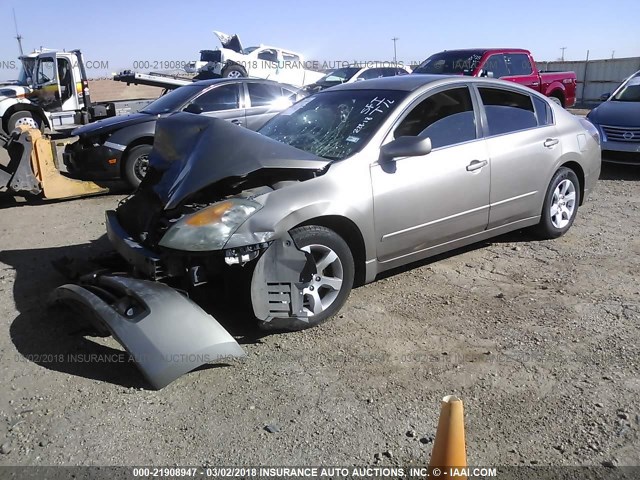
[344, 185]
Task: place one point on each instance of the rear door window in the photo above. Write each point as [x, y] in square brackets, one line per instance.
[262, 94]
[507, 111]
[224, 97]
[543, 112]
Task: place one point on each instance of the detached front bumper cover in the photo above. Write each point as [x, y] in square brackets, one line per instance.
[167, 334]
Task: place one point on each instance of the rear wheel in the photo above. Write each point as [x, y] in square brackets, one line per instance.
[557, 100]
[136, 164]
[23, 118]
[234, 71]
[327, 278]
[560, 205]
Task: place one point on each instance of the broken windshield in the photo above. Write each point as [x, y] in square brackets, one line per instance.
[333, 125]
[453, 62]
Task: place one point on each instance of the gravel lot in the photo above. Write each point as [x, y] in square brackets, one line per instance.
[540, 339]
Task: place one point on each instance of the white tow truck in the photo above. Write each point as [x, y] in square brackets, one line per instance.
[53, 91]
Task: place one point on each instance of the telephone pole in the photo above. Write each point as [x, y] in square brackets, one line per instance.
[563, 49]
[395, 57]
[18, 36]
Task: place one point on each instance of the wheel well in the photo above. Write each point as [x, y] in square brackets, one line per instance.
[21, 107]
[350, 234]
[135, 143]
[559, 94]
[231, 63]
[577, 169]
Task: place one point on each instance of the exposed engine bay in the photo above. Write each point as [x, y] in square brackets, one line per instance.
[206, 178]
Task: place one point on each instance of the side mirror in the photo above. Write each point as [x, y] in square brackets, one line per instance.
[194, 108]
[406, 147]
[604, 97]
[486, 73]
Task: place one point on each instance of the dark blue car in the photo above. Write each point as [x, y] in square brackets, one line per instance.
[618, 120]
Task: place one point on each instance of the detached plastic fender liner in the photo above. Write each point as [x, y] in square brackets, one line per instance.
[167, 334]
[276, 290]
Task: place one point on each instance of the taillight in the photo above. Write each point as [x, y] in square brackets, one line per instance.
[591, 128]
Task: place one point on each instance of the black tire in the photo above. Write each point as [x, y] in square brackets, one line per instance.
[557, 100]
[136, 164]
[550, 227]
[234, 71]
[314, 236]
[23, 117]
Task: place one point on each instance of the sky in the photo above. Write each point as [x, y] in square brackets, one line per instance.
[128, 33]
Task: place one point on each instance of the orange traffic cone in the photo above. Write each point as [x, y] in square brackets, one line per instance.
[449, 454]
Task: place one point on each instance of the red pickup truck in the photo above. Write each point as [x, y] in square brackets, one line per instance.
[512, 64]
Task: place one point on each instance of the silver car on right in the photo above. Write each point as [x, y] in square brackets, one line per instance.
[618, 121]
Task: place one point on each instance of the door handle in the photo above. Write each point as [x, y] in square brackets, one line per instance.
[476, 165]
[550, 142]
[237, 122]
[535, 84]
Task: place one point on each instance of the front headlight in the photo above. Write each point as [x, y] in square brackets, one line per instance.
[210, 228]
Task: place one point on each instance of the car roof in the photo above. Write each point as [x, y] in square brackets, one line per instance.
[405, 83]
[415, 81]
[486, 50]
[216, 81]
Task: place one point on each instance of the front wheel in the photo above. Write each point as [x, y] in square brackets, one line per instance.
[560, 205]
[327, 278]
[136, 164]
[25, 119]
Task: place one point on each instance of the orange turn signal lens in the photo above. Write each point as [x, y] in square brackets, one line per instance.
[112, 161]
[208, 215]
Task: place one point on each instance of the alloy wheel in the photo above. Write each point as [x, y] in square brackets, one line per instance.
[141, 166]
[321, 291]
[563, 204]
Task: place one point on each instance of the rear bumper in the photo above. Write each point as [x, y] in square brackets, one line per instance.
[95, 163]
[167, 334]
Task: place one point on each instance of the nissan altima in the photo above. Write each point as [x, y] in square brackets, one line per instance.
[343, 185]
[618, 122]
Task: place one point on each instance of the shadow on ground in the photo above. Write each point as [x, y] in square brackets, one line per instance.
[11, 200]
[53, 338]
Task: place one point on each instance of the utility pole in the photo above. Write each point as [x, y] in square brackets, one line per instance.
[563, 49]
[395, 57]
[613, 53]
[18, 36]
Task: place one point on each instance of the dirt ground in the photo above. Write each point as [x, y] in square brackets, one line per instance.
[540, 339]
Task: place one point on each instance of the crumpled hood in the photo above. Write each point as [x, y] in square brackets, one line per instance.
[621, 114]
[232, 42]
[194, 151]
[113, 123]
